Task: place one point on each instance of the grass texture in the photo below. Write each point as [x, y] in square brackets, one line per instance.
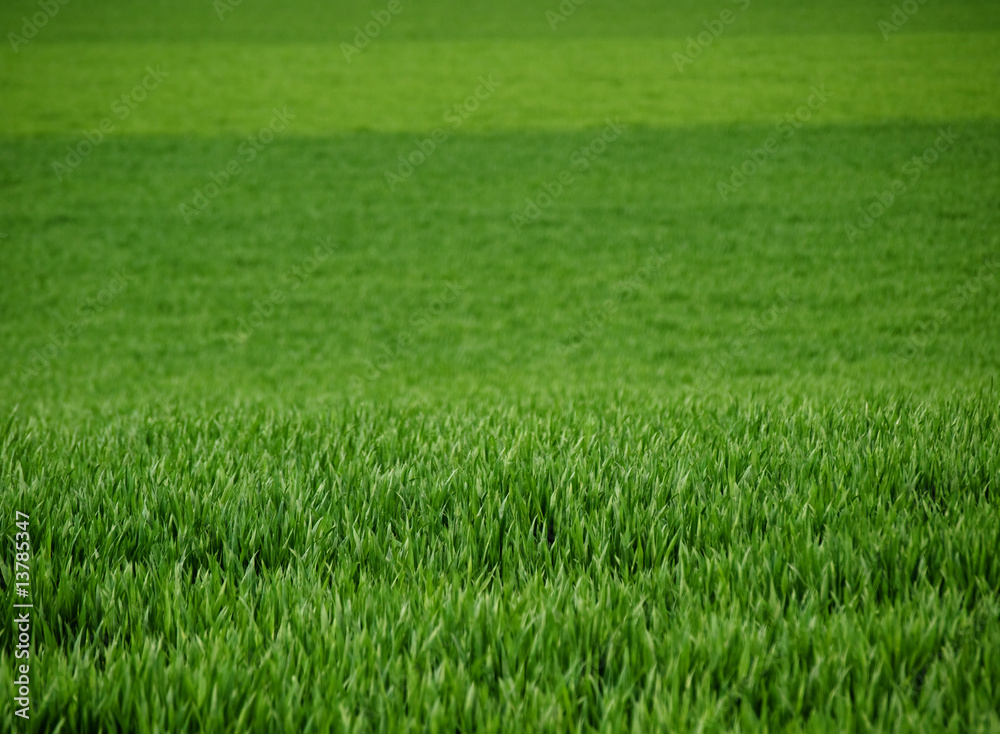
[584, 568]
[507, 373]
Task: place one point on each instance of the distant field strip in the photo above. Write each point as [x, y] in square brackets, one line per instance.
[565, 84]
[801, 226]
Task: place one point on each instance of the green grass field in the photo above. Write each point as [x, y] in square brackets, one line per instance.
[521, 365]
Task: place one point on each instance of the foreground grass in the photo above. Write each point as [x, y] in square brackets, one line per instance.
[569, 568]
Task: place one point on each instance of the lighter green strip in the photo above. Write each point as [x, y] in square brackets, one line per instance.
[61, 89]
